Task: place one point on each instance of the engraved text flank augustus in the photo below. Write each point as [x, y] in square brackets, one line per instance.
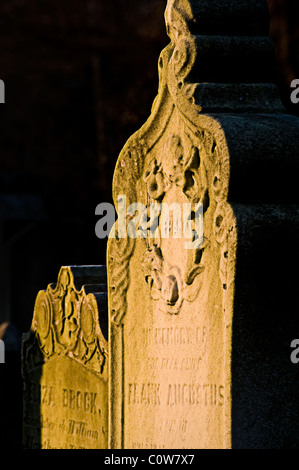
[204, 394]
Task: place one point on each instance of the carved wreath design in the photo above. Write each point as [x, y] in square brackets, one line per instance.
[168, 285]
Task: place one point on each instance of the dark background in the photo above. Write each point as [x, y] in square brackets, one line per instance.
[80, 79]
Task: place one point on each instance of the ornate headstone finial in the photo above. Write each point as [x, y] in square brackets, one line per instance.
[66, 319]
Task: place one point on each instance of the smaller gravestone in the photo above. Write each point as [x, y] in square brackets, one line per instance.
[65, 363]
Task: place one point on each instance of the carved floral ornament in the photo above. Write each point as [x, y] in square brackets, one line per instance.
[65, 322]
[193, 165]
[176, 167]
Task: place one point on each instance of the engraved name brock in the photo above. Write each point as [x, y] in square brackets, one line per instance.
[202, 394]
[48, 395]
[64, 399]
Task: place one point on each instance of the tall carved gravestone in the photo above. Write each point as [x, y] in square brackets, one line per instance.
[199, 344]
[64, 364]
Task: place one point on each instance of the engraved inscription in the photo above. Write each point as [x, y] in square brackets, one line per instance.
[80, 428]
[191, 364]
[64, 411]
[145, 393]
[195, 394]
[78, 400]
[173, 394]
[167, 427]
[75, 403]
[36, 394]
[169, 336]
